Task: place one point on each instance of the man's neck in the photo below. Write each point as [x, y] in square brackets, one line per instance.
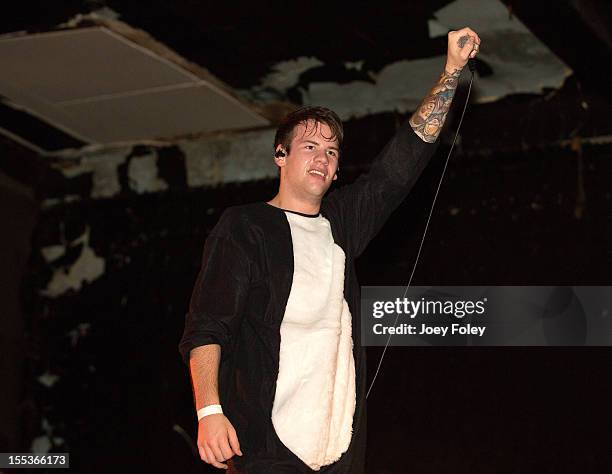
[291, 203]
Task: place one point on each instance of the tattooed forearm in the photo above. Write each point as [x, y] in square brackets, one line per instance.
[428, 119]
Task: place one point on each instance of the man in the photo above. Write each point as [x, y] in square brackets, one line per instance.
[272, 336]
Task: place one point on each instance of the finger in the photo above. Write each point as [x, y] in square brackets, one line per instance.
[470, 32]
[214, 447]
[203, 455]
[467, 48]
[475, 35]
[233, 440]
[225, 449]
[475, 50]
[212, 459]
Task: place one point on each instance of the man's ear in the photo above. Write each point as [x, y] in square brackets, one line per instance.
[279, 156]
[335, 177]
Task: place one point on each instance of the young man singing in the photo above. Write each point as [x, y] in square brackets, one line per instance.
[272, 336]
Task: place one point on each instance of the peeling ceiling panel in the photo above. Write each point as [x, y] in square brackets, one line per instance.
[158, 114]
[27, 129]
[517, 60]
[110, 65]
[520, 62]
[88, 81]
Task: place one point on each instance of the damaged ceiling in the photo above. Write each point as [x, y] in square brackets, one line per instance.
[101, 88]
[108, 73]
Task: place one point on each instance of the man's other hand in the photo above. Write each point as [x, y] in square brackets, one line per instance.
[217, 440]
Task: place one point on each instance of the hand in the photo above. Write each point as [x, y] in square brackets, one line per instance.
[217, 440]
[462, 45]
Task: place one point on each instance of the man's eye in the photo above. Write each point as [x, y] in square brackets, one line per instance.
[332, 153]
[310, 147]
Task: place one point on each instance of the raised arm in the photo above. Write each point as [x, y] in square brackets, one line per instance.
[429, 118]
[362, 207]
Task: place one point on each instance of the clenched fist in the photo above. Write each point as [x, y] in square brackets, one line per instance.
[462, 45]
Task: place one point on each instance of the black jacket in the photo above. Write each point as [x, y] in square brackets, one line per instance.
[242, 289]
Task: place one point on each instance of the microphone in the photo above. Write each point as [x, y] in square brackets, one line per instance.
[472, 65]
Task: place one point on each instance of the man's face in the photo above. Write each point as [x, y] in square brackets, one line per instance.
[309, 169]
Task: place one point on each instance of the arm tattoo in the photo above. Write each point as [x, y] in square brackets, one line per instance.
[428, 119]
[461, 41]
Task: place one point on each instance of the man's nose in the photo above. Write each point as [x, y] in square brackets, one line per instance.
[322, 157]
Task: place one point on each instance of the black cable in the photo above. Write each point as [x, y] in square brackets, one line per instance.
[472, 67]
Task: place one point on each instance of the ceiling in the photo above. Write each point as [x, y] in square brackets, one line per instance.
[84, 72]
[99, 87]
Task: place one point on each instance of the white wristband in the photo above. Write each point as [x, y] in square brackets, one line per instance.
[209, 410]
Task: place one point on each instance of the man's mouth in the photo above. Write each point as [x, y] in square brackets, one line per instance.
[317, 173]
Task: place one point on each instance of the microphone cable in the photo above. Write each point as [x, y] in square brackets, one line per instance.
[472, 67]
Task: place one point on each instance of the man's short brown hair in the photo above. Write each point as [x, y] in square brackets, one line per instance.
[303, 115]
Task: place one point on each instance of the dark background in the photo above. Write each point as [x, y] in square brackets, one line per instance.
[517, 206]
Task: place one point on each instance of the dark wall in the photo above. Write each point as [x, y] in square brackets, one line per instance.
[18, 211]
[122, 402]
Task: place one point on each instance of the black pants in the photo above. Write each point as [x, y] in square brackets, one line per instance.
[278, 459]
